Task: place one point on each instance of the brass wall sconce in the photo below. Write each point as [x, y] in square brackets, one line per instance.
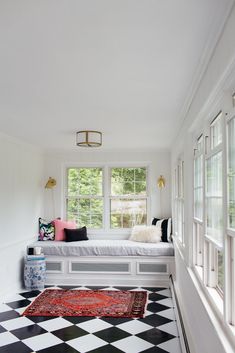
[161, 182]
[50, 183]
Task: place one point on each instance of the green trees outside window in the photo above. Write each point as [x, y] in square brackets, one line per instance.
[126, 201]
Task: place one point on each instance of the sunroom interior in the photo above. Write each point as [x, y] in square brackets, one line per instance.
[157, 79]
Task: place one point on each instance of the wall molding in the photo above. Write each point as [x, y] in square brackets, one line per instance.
[15, 243]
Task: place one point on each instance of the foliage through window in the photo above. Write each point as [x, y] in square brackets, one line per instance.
[128, 199]
[85, 196]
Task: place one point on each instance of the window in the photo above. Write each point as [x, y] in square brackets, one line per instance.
[106, 198]
[198, 204]
[214, 202]
[179, 201]
[128, 199]
[208, 228]
[198, 180]
[231, 173]
[85, 196]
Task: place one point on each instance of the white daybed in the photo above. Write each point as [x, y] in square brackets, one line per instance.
[108, 262]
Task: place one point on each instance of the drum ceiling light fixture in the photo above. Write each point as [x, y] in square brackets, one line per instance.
[88, 138]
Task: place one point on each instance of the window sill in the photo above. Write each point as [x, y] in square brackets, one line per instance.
[213, 304]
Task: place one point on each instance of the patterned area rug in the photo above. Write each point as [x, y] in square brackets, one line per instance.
[59, 302]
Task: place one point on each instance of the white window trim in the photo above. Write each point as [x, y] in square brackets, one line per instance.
[106, 230]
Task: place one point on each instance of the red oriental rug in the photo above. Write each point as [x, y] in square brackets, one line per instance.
[60, 302]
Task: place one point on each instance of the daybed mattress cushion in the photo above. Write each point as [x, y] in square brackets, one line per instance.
[105, 248]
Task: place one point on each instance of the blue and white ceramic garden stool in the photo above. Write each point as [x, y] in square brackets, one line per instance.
[35, 272]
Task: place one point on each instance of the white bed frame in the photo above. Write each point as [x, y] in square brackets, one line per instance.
[109, 270]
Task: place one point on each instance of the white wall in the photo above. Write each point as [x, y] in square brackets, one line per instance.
[214, 93]
[158, 161]
[20, 206]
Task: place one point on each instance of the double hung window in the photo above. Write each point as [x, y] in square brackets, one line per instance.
[91, 203]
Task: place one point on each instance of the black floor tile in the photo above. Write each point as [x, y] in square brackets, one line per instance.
[156, 308]
[155, 350]
[155, 297]
[17, 347]
[59, 348]
[77, 319]
[69, 333]
[155, 336]
[28, 331]
[38, 319]
[112, 334]
[31, 294]
[67, 287]
[19, 303]
[115, 320]
[154, 289]
[8, 315]
[125, 288]
[2, 329]
[106, 349]
[155, 320]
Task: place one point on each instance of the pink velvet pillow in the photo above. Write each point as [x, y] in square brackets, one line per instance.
[59, 228]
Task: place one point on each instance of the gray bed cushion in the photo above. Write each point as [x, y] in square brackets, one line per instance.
[105, 248]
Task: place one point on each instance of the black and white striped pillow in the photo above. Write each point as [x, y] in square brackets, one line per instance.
[165, 225]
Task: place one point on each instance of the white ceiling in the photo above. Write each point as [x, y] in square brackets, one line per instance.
[123, 67]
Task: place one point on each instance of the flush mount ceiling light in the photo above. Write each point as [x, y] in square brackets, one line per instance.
[88, 138]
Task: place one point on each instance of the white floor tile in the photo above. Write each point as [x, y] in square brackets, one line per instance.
[94, 325]
[166, 302]
[165, 292]
[4, 308]
[171, 346]
[55, 324]
[12, 298]
[16, 323]
[171, 328]
[134, 327]
[169, 314]
[42, 341]
[146, 313]
[20, 310]
[132, 344]
[86, 343]
[7, 338]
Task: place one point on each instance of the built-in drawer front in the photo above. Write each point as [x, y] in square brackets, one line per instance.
[102, 267]
[54, 267]
[151, 268]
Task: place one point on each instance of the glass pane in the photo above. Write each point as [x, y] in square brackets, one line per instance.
[214, 207]
[90, 181]
[198, 187]
[86, 212]
[140, 174]
[231, 172]
[125, 213]
[216, 131]
[85, 181]
[73, 184]
[220, 279]
[128, 181]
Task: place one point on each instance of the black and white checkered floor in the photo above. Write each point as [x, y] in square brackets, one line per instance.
[156, 333]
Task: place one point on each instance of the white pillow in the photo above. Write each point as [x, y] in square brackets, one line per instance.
[146, 234]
